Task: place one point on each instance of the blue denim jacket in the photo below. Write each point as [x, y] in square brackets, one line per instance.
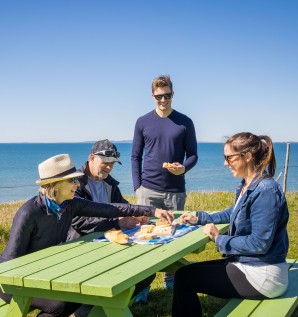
[258, 225]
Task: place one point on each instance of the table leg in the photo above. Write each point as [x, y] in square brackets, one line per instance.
[19, 306]
[97, 311]
[117, 312]
[115, 307]
[175, 266]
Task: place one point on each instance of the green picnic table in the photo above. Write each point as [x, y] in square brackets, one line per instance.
[102, 274]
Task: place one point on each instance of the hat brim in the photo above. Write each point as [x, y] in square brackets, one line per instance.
[108, 159]
[57, 179]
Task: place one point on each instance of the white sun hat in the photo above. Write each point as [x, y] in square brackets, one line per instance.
[57, 168]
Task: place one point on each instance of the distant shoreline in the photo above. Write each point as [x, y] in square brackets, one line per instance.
[201, 192]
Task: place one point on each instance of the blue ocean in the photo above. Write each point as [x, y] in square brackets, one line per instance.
[19, 161]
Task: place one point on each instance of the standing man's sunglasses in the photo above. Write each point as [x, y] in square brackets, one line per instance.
[166, 96]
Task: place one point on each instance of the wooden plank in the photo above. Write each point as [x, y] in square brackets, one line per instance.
[245, 308]
[119, 301]
[238, 307]
[99, 251]
[16, 276]
[229, 307]
[71, 282]
[44, 253]
[284, 305]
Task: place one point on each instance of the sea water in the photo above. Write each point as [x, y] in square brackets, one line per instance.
[19, 161]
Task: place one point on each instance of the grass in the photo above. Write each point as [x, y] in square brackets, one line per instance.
[160, 299]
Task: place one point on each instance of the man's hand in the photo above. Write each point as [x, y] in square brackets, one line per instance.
[188, 218]
[211, 231]
[142, 220]
[166, 216]
[137, 190]
[178, 169]
[128, 222]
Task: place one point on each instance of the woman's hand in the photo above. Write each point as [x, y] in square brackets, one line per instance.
[166, 216]
[211, 231]
[188, 218]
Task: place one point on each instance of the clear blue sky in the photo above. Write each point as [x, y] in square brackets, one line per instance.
[82, 70]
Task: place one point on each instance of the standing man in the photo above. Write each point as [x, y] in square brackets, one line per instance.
[163, 135]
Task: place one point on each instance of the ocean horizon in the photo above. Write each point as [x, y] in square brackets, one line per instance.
[19, 161]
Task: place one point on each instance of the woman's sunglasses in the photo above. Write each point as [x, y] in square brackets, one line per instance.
[229, 157]
[166, 96]
[73, 180]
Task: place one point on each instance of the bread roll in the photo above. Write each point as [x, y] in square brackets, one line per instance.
[116, 236]
[147, 228]
[147, 236]
[168, 165]
[163, 230]
[159, 223]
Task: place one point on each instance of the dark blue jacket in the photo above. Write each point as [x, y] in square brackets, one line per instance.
[85, 225]
[35, 227]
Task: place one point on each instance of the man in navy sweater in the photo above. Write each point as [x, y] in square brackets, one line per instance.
[163, 135]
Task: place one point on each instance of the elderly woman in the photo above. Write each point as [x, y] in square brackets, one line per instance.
[257, 243]
[44, 220]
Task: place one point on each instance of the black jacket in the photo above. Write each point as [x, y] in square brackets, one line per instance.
[35, 227]
[84, 225]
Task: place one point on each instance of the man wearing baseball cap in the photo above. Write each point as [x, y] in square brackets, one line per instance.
[106, 150]
[98, 185]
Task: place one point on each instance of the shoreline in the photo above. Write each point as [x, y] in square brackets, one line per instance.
[133, 196]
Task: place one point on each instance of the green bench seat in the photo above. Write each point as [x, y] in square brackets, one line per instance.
[282, 306]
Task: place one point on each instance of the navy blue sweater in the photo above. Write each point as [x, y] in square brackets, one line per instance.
[170, 139]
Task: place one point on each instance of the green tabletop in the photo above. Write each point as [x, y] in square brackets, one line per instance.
[98, 273]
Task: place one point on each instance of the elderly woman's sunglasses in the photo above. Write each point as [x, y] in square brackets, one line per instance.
[166, 96]
[108, 153]
[73, 180]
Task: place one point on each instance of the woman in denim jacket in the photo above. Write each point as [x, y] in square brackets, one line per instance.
[256, 246]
